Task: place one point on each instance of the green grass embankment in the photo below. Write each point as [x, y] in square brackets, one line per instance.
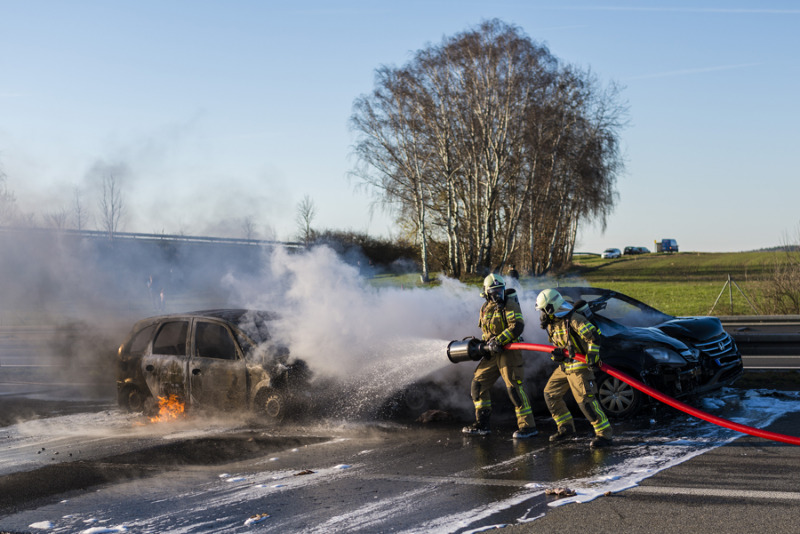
[686, 283]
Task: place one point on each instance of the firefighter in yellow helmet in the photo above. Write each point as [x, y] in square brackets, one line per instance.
[501, 323]
[572, 333]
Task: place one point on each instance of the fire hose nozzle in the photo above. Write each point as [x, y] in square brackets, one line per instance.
[467, 349]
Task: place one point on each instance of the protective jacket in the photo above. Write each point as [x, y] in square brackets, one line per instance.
[503, 323]
[577, 335]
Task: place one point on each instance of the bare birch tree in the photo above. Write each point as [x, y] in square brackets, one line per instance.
[306, 211]
[7, 201]
[486, 139]
[112, 206]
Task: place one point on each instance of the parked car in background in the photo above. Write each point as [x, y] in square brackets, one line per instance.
[611, 253]
[216, 359]
[679, 356]
[667, 245]
[635, 250]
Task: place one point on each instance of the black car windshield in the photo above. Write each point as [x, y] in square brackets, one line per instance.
[620, 309]
[632, 313]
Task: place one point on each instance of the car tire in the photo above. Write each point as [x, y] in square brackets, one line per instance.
[271, 404]
[618, 399]
[132, 399]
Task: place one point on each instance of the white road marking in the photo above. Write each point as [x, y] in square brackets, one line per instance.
[711, 492]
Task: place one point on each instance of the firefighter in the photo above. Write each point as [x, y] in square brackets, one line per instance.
[572, 333]
[501, 323]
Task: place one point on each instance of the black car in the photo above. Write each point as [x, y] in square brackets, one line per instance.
[220, 359]
[679, 356]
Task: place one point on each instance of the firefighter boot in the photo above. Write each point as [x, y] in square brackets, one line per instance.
[525, 432]
[564, 433]
[599, 442]
[481, 425]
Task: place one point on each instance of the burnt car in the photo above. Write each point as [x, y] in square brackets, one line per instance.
[679, 356]
[222, 359]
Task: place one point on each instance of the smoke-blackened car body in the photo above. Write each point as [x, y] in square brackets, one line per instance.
[679, 356]
[220, 359]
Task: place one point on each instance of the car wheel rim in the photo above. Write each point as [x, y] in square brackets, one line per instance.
[272, 407]
[616, 396]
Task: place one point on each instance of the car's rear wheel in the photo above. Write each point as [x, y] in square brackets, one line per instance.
[132, 399]
[617, 398]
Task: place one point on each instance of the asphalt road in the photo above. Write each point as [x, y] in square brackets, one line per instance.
[750, 485]
[98, 468]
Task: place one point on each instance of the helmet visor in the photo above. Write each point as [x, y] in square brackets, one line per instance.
[496, 294]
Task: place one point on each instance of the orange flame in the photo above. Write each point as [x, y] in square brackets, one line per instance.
[169, 409]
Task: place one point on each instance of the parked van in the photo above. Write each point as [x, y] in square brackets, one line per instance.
[667, 245]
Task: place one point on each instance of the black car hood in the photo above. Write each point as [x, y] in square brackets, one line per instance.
[626, 337]
[693, 328]
[645, 336]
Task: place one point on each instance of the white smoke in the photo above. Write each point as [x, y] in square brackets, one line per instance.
[377, 339]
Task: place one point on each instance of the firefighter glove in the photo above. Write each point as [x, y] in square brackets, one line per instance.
[557, 355]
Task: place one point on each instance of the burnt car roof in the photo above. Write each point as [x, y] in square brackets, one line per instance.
[233, 315]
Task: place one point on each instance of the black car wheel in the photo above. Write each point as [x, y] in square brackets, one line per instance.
[271, 404]
[132, 399]
[617, 398]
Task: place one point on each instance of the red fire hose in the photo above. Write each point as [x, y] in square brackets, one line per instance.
[667, 399]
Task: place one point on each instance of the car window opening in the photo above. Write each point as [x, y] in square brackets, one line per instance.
[214, 341]
[171, 339]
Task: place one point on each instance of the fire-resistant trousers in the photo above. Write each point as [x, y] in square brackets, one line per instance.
[508, 365]
[584, 389]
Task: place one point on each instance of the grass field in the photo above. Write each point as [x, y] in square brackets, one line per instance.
[685, 283]
[680, 284]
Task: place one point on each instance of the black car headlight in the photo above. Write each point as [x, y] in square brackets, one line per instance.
[664, 355]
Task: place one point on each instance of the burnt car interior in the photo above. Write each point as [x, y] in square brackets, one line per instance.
[213, 340]
[171, 339]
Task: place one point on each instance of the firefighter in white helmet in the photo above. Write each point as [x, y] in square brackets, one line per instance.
[572, 333]
[501, 323]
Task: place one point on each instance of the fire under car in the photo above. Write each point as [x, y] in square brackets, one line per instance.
[680, 356]
[216, 359]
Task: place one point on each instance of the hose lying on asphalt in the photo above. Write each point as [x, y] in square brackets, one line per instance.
[666, 399]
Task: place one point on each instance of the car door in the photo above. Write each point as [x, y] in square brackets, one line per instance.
[165, 368]
[218, 374]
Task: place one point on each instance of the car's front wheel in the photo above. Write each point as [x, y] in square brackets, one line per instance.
[617, 398]
[271, 404]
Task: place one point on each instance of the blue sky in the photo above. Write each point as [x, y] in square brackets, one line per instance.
[212, 112]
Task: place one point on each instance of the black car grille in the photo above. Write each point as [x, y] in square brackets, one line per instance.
[721, 348]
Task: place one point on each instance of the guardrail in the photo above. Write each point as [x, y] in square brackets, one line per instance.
[765, 335]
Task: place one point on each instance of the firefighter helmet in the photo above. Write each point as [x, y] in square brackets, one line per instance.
[494, 288]
[549, 300]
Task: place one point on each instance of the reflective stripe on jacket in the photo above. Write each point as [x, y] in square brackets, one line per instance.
[584, 337]
[503, 323]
